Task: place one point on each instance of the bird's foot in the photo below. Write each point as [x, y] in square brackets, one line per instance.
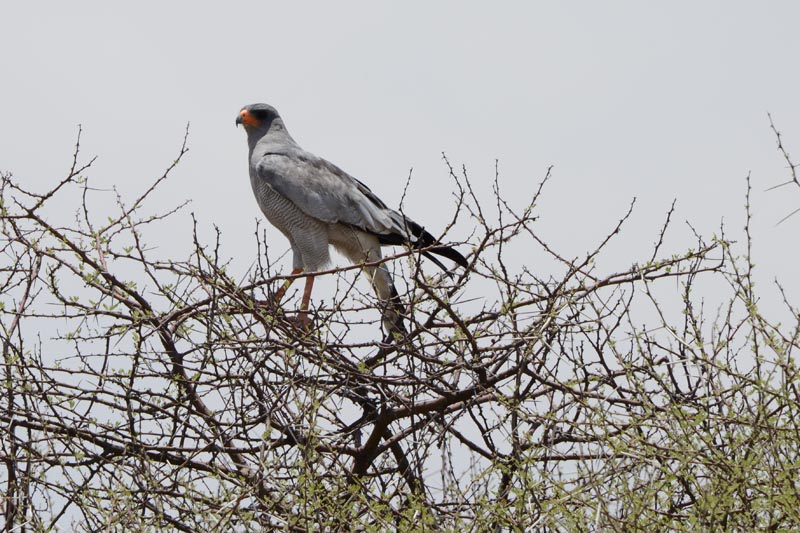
[303, 321]
[270, 307]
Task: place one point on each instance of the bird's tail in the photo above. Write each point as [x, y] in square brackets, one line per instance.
[422, 239]
[393, 314]
[392, 308]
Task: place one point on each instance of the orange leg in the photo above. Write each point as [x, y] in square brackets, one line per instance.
[303, 315]
[276, 300]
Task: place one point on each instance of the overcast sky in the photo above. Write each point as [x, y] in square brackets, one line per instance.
[653, 100]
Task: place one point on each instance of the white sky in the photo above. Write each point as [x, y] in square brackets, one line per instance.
[655, 100]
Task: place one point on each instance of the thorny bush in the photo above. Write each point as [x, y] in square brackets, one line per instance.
[150, 393]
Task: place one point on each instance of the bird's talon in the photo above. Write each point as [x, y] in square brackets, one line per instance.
[303, 322]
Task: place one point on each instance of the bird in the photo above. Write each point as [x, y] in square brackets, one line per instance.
[316, 205]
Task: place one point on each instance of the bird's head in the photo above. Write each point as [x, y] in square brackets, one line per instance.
[259, 119]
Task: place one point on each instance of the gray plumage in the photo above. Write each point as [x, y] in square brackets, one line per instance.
[315, 204]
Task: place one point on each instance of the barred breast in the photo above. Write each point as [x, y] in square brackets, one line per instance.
[307, 235]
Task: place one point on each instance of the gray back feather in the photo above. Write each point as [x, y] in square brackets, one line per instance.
[323, 191]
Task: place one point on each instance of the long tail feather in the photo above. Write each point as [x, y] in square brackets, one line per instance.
[423, 239]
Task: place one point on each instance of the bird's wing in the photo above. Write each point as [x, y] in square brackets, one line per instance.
[323, 191]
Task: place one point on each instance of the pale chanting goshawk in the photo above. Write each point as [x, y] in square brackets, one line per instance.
[315, 204]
